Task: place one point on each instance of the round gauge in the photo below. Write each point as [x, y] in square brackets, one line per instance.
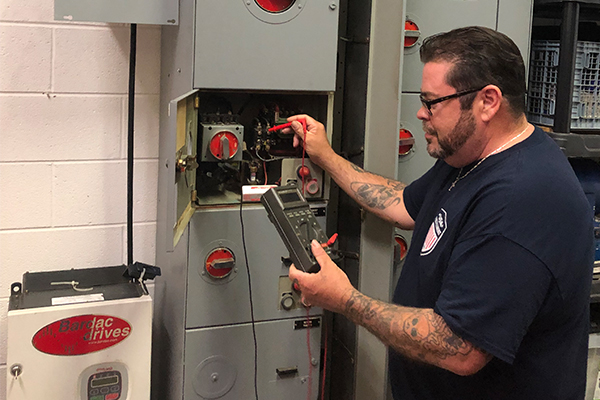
[220, 263]
[406, 142]
[224, 145]
[411, 36]
[275, 6]
[401, 246]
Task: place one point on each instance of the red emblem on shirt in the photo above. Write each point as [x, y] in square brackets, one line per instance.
[436, 230]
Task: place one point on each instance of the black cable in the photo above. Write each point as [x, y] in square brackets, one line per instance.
[130, 115]
[251, 302]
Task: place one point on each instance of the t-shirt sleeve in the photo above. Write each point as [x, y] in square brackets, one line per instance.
[414, 194]
[491, 292]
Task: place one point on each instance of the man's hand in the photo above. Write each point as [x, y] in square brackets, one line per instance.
[329, 288]
[317, 146]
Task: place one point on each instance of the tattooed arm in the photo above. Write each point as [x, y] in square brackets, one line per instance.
[418, 333]
[379, 195]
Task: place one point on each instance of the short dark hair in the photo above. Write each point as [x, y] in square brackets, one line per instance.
[481, 56]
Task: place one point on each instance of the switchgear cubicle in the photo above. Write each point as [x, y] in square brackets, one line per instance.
[230, 325]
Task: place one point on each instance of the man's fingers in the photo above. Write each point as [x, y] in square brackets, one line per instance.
[319, 253]
[296, 275]
[298, 128]
[297, 117]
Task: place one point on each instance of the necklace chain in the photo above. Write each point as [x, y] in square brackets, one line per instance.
[458, 177]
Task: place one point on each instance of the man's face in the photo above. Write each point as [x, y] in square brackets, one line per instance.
[447, 127]
[445, 145]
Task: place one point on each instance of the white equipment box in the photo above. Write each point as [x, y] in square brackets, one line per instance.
[79, 334]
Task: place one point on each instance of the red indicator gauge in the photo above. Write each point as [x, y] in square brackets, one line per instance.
[275, 6]
[220, 263]
[401, 246]
[406, 142]
[411, 33]
[224, 145]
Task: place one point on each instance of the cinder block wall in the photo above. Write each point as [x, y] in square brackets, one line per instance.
[63, 145]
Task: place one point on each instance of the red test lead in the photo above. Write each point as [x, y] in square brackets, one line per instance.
[331, 240]
[287, 125]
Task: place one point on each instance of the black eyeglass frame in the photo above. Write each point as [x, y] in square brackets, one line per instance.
[429, 103]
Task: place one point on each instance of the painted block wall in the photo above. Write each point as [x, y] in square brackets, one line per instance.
[63, 145]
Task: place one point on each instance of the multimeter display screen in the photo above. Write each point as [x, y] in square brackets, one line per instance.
[289, 197]
[111, 380]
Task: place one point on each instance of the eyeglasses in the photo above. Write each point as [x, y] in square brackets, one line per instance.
[429, 103]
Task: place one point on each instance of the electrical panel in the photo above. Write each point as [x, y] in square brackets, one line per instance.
[231, 72]
[157, 12]
[266, 44]
[225, 142]
[429, 17]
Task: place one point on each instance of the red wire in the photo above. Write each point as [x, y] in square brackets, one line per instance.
[324, 362]
[265, 170]
[309, 392]
[303, 155]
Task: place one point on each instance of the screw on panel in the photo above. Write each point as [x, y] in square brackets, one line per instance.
[314, 362]
[332, 6]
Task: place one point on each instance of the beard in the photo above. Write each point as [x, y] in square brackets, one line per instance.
[450, 144]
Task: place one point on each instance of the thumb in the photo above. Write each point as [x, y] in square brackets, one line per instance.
[294, 273]
[298, 128]
[319, 253]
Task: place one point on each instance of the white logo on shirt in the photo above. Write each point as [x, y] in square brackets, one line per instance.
[436, 230]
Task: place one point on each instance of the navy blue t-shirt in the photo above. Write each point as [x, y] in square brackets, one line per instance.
[505, 258]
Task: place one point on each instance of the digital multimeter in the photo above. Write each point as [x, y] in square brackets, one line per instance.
[296, 224]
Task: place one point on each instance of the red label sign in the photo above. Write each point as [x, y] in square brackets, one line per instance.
[81, 334]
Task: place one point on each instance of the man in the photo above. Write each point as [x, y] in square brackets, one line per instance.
[493, 298]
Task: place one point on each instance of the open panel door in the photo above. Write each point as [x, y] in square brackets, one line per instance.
[183, 115]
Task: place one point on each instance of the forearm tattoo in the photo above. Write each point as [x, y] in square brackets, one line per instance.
[378, 196]
[418, 333]
[357, 168]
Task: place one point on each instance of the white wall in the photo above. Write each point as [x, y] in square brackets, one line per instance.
[63, 145]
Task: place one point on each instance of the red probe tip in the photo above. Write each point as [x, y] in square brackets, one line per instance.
[287, 125]
[331, 240]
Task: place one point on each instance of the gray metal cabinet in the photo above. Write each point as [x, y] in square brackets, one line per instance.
[291, 50]
[220, 362]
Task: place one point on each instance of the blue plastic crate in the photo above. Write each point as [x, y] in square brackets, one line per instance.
[543, 72]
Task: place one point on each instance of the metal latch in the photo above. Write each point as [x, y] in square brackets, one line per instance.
[187, 163]
[287, 372]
